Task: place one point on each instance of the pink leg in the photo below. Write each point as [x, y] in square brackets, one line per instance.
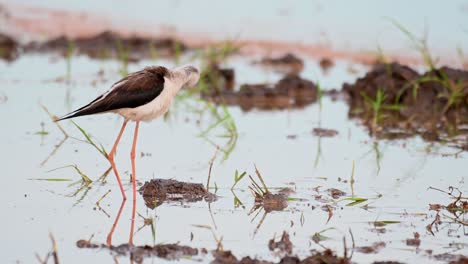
[111, 155]
[132, 156]
[132, 225]
[114, 225]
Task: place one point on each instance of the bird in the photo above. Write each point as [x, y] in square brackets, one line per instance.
[141, 96]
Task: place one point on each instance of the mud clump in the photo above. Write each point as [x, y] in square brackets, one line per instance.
[175, 251]
[414, 242]
[387, 262]
[326, 64]
[226, 257]
[286, 64]
[374, 248]
[8, 48]
[290, 92]
[325, 257]
[324, 132]
[157, 191]
[284, 245]
[138, 253]
[394, 101]
[451, 258]
[272, 201]
[336, 193]
[460, 260]
[109, 44]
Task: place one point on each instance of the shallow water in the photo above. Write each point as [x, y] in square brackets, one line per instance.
[361, 25]
[394, 175]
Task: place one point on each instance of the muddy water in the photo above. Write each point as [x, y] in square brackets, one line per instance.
[393, 175]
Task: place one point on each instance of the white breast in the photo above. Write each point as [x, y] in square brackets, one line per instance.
[154, 109]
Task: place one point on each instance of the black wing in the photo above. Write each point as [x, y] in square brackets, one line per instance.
[135, 90]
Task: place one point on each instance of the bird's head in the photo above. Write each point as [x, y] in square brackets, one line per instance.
[190, 74]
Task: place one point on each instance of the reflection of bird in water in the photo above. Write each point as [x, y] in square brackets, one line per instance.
[141, 96]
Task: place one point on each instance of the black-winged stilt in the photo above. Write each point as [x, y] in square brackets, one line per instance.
[141, 96]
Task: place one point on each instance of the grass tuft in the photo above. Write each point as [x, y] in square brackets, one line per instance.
[83, 176]
[90, 141]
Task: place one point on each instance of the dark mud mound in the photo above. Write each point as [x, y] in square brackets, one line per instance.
[288, 64]
[395, 101]
[290, 92]
[110, 45]
[8, 48]
[157, 191]
[226, 257]
[326, 257]
[138, 253]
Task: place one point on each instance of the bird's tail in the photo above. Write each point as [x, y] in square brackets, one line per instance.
[85, 110]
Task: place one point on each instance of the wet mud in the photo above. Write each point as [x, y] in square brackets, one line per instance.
[391, 100]
[108, 44]
[336, 193]
[8, 48]
[272, 201]
[395, 101]
[138, 253]
[288, 64]
[220, 256]
[157, 191]
[415, 241]
[325, 257]
[372, 249]
[452, 258]
[291, 91]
